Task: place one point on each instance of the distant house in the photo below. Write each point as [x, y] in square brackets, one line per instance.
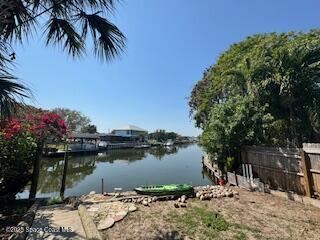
[131, 131]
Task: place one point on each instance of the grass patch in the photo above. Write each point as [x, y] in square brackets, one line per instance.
[255, 232]
[207, 224]
[201, 222]
[245, 227]
[241, 236]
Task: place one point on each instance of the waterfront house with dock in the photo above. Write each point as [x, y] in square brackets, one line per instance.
[77, 143]
[133, 132]
[128, 136]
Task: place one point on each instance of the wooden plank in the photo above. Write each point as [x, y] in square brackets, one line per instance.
[278, 170]
[88, 224]
[274, 150]
[244, 156]
[311, 148]
[315, 171]
[250, 172]
[306, 172]
[232, 178]
[207, 164]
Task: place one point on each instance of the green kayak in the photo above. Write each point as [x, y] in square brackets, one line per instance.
[161, 190]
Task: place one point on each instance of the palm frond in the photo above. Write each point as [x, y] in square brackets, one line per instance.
[107, 38]
[61, 31]
[16, 21]
[5, 51]
[12, 94]
[104, 4]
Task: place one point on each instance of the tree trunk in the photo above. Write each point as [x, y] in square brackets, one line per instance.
[36, 171]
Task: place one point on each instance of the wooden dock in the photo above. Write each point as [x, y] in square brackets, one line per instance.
[213, 170]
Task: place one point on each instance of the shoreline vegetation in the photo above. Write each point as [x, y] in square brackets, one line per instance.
[246, 215]
[263, 91]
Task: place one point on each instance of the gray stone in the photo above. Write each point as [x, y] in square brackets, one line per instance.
[105, 223]
[93, 208]
[122, 213]
[132, 208]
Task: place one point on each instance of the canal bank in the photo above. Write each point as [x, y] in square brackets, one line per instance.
[246, 215]
[122, 168]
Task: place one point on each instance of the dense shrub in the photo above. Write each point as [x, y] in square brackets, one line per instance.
[264, 90]
[20, 142]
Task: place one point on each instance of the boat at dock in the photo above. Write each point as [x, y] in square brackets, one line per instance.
[169, 143]
[142, 146]
[162, 190]
[78, 143]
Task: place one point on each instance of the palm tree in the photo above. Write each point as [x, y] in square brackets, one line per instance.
[66, 23]
[297, 73]
[10, 90]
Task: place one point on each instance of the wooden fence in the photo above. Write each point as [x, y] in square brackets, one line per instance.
[287, 169]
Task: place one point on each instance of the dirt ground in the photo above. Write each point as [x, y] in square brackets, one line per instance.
[11, 214]
[251, 215]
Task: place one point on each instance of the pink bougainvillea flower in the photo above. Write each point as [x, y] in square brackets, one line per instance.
[8, 135]
[41, 124]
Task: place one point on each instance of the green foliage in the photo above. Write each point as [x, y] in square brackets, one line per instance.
[89, 129]
[54, 200]
[75, 120]
[263, 90]
[197, 219]
[16, 160]
[162, 136]
[21, 143]
[230, 163]
[241, 236]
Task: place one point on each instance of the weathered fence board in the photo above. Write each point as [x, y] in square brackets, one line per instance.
[287, 169]
[245, 180]
[313, 152]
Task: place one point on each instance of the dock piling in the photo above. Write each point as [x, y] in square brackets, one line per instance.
[102, 187]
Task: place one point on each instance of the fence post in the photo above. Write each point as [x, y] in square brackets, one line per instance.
[244, 154]
[65, 169]
[102, 187]
[305, 164]
[235, 177]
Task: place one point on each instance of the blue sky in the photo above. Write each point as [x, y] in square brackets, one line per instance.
[170, 43]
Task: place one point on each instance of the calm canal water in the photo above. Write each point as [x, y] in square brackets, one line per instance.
[123, 168]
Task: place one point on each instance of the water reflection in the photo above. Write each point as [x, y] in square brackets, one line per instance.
[160, 152]
[131, 155]
[52, 169]
[122, 155]
[126, 168]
